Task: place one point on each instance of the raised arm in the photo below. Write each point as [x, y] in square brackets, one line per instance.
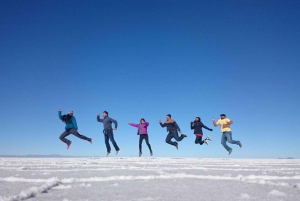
[162, 124]
[192, 125]
[98, 118]
[215, 123]
[59, 114]
[74, 123]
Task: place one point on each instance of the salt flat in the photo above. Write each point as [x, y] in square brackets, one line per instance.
[146, 179]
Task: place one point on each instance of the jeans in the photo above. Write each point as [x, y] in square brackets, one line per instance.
[173, 134]
[108, 135]
[227, 136]
[142, 137]
[63, 136]
[199, 140]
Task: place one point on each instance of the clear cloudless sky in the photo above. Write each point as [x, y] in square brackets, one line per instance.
[147, 59]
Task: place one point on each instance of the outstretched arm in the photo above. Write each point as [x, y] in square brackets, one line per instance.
[134, 125]
[161, 124]
[206, 127]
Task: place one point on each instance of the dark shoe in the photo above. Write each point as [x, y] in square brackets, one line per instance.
[240, 144]
[176, 146]
[184, 135]
[140, 154]
[151, 153]
[230, 151]
[69, 145]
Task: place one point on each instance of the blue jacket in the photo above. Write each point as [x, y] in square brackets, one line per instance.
[71, 124]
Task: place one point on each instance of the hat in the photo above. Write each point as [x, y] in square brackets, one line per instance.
[223, 115]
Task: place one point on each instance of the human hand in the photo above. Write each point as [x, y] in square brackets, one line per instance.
[98, 115]
[115, 128]
[59, 110]
[159, 121]
[213, 119]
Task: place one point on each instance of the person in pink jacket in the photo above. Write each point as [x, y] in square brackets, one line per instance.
[142, 131]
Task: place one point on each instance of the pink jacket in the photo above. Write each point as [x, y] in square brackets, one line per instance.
[144, 127]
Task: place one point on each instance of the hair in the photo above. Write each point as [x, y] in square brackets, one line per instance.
[198, 118]
[66, 118]
[169, 115]
[143, 119]
[105, 112]
[197, 122]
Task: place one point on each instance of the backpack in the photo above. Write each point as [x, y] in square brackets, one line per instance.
[65, 118]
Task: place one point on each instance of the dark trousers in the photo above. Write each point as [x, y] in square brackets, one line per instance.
[109, 135]
[199, 140]
[63, 136]
[142, 137]
[173, 134]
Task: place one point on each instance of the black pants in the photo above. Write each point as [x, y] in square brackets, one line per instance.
[173, 134]
[142, 137]
[199, 140]
[63, 136]
[109, 135]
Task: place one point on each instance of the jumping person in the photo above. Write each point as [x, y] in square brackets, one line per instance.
[197, 126]
[172, 128]
[71, 128]
[142, 131]
[108, 132]
[225, 129]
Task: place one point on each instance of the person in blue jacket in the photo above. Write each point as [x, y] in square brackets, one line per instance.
[71, 128]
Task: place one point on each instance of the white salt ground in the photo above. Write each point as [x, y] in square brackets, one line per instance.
[142, 179]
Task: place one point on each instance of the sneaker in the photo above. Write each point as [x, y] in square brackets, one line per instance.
[240, 144]
[184, 135]
[176, 146]
[118, 152]
[208, 138]
[69, 145]
[108, 153]
[140, 154]
[151, 153]
[205, 141]
[230, 151]
[91, 141]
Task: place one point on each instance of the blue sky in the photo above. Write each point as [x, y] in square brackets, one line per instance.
[147, 59]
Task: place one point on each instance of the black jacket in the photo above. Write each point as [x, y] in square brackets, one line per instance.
[197, 126]
[171, 125]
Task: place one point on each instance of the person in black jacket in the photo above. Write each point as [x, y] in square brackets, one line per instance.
[172, 128]
[197, 126]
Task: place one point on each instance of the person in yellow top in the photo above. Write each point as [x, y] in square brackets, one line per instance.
[225, 123]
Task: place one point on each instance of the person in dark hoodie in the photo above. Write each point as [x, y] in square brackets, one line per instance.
[71, 128]
[172, 128]
[108, 132]
[197, 126]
